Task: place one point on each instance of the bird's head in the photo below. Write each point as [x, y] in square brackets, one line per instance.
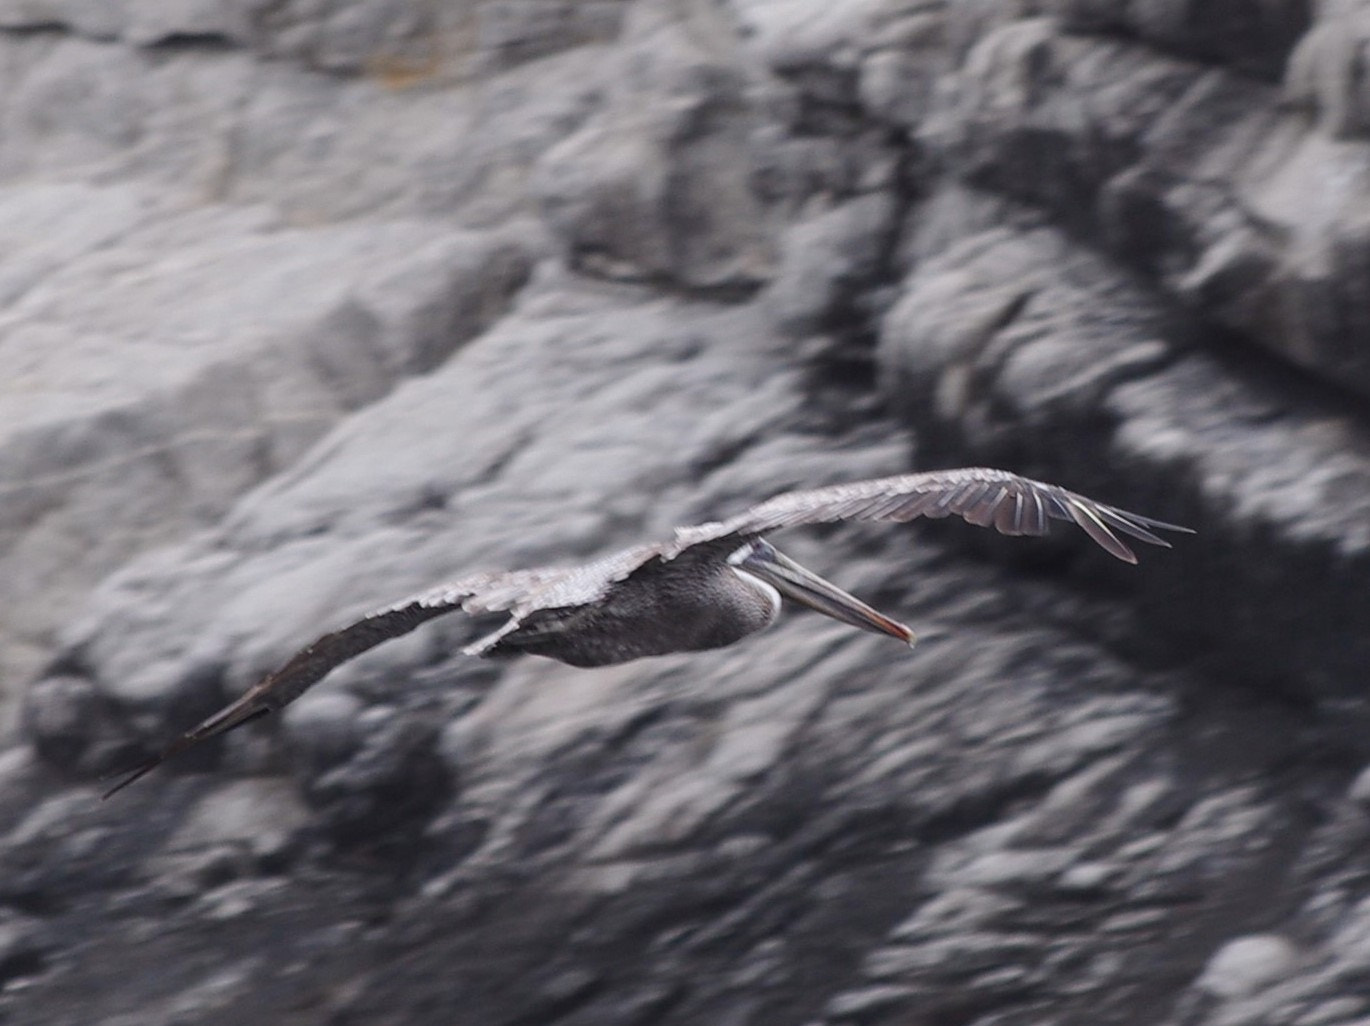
[760, 563]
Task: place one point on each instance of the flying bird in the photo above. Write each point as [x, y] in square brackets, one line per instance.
[709, 586]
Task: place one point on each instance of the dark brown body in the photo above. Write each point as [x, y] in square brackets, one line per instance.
[695, 602]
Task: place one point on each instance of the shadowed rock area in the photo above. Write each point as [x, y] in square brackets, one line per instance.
[305, 307]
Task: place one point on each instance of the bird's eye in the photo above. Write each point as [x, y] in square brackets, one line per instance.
[755, 547]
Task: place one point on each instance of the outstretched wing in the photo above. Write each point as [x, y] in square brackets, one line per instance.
[1009, 503]
[479, 593]
[517, 592]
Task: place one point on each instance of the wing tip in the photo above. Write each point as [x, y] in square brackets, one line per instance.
[130, 776]
[220, 723]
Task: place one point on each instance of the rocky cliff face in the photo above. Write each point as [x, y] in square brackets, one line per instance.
[305, 306]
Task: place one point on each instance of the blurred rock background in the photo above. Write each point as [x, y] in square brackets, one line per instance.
[308, 305]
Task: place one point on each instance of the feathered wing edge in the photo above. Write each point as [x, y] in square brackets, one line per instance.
[312, 663]
[517, 592]
[1011, 504]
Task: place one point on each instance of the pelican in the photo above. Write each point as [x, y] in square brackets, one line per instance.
[711, 585]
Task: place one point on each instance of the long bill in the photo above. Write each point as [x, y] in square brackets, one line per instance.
[795, 582]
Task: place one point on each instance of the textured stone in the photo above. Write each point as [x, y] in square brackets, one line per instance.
[156, 410]
[1200, 178]
[828, 263]
[656, 186]
[262, 816]
[307, 306]
[1247, 964]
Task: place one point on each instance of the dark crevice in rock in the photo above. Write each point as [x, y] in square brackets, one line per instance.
[828, 101]
[180, 43]
[1280, 388]
[1231, 34]
[598, 263]
[35, 29]
[21, 965]
[840, 365]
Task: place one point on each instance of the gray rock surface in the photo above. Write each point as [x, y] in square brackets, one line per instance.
[306, 306]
